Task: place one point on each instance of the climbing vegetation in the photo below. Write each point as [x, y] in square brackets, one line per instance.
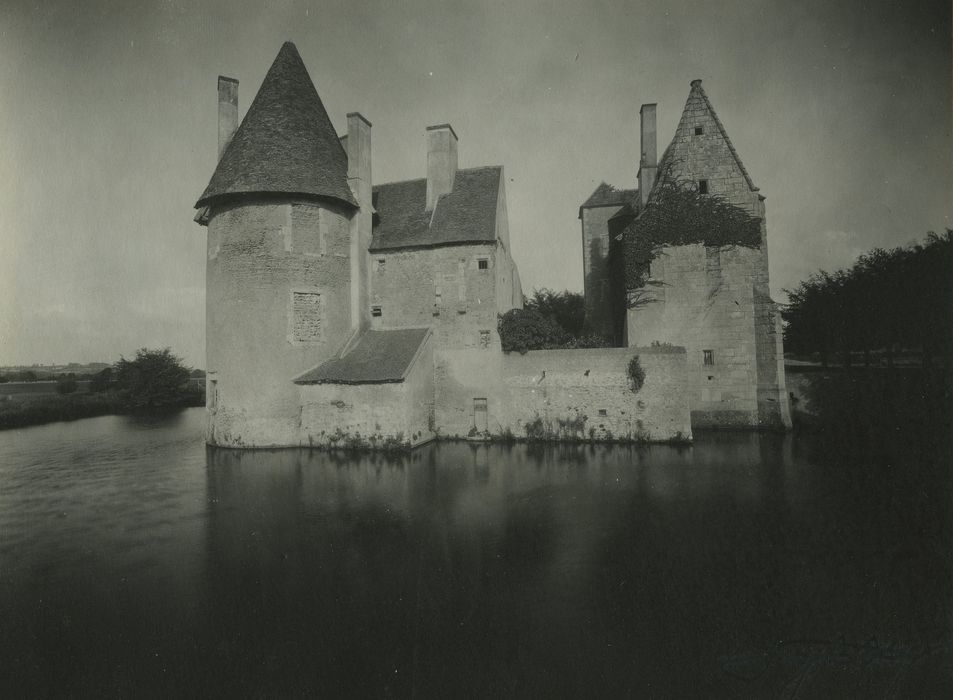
[636, 374]
[679, 214]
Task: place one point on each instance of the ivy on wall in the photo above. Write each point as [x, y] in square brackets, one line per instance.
[678, 214]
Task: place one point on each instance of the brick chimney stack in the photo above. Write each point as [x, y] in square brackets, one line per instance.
[648, 164]
[227, 112]
[441, 162]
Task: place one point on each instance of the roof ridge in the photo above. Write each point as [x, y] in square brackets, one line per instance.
[418, 179]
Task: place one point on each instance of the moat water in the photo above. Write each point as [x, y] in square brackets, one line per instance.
[134, 561]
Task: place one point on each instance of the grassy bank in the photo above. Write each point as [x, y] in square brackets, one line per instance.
[38, 409]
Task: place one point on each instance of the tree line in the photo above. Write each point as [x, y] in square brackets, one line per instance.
[889, 300]
[549, 320]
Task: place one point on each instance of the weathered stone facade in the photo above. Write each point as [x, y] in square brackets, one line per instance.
[714, 301]
[378, 415]
[457, 290]
[565, 394]
[260, 255]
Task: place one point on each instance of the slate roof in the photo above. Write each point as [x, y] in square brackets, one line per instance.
[285, 144]
[606, 195]
[465, 215]
[380, 356]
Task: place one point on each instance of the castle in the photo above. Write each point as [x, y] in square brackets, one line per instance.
[343, 312]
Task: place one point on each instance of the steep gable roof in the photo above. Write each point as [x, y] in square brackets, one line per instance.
[697, 106]
[606, 195]
[285, 144]
[380, 356]
[465, 215]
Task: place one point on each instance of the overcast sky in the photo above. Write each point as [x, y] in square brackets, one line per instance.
[839, 110]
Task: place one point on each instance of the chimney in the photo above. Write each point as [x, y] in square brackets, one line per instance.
[357, 144]
[227, 112]
[441, 162]
[648, 164]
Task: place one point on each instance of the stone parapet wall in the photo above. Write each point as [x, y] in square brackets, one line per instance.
[566, 394]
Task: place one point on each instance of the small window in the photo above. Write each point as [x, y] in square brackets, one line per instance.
[709, 357]
[377, 311]
[699, 130]
[483, 264]
[484, 339]
[703, 187]
[380, 264]
[437, 297]
[603, 412]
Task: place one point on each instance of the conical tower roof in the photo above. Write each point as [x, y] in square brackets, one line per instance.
[286, 143]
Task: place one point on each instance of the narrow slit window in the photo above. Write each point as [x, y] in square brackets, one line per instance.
[708, 358]
[703, 187]
[377, 311]
[699, 130]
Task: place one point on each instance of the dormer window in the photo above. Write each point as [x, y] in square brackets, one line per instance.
[703, 187]
[699, 130]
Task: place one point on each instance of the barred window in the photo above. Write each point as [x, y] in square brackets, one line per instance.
[708, 357]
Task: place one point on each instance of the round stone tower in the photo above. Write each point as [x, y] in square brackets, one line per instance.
[286, 210]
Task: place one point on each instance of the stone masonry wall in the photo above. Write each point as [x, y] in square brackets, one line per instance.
[258, 338]
[443, 288]
[705, 302]
[371, 414]
[575, 394]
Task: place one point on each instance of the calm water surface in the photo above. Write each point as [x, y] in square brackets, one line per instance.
[134, 561]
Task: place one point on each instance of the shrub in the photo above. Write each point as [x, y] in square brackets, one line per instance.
[636, 374]
[526, 329]
[679, 214]
[567, 308]
[100, 381]
[66, 385]
[155, 378]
